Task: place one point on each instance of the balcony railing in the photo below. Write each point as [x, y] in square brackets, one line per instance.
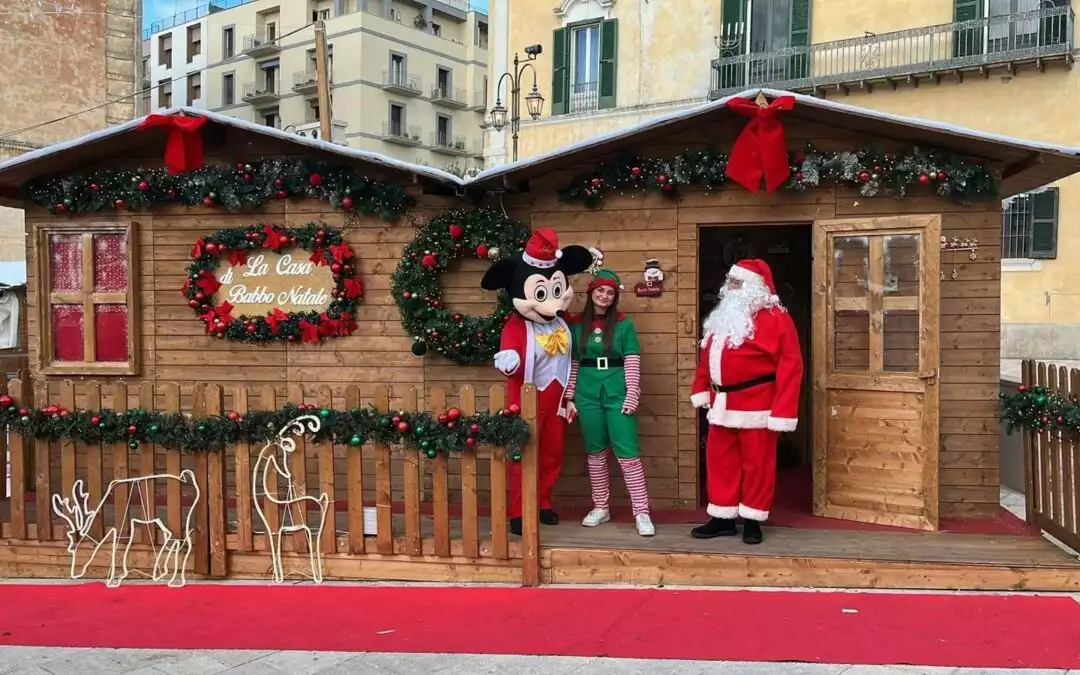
[267, 91]
[927, 51]
[395, 132]
[584, 97]
[453, 98]
[305, 82]
[401, 82]
[259, 45]
[450, 145]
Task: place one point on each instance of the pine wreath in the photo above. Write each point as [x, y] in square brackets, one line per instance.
[326, 246]
[484, 233]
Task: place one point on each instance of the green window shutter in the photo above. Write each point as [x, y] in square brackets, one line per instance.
[560, 72]
[800, 37]
[967, 41]
[1054, 30]
[734, 44]
[609, 59]
[1044, 224]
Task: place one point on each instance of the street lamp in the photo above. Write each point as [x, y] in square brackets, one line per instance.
[534, 102]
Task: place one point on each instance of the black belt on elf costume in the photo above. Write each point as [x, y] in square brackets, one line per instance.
[728, 388]
[601, 363]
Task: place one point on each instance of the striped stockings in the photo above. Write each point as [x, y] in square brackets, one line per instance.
[633, 474]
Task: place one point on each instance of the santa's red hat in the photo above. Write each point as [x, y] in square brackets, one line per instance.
[754, 271]
[542, 249]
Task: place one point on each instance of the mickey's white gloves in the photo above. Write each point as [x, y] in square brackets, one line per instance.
[507, 361]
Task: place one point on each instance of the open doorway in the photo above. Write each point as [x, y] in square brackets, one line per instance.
[788, 251]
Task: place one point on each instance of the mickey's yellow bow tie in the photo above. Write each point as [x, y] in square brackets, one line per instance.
[555, 342]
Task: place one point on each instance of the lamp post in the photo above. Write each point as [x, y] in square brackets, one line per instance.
[534, 102]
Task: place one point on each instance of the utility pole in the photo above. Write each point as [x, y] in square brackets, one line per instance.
[322, 82]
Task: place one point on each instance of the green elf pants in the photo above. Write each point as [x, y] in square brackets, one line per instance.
[603, 425]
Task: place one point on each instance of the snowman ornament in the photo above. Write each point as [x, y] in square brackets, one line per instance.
[653, 286]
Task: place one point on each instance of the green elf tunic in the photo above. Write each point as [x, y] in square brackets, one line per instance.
[601, 393]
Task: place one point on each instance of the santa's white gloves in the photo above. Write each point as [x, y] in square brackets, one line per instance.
[507, 361]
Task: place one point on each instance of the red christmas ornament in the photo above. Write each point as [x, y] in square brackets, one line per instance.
[1022, 388]
[315, 180]
[942, 175]
[133, 429]
[347, 203]
[335, 268]
[443, 419]
[144, 186]
[119, 204]
[799, 157]
[1061, 420]
[5, 400]
[514, 409]
[864, 176]
[281, 194]
[279, 181]
[924, 179]
[482, 251]
[457, 231]
[395, 419]
[596, 182]
[662, 179]
[239, 167]
[94, 187]
[59, 208]
[64, 413]
[428, 261]
[193, 304]
[247, 177]
[95, 420]
[667, 187]
[207, 202]
[406, 295]
[234, 416]
[470, 441]
[457, 317]
[474, 429]
[403, 427]
[798, 175]
[635, 171]
[24, 412]
[453, 414]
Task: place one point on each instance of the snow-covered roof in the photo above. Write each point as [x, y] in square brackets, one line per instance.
[1023, 154]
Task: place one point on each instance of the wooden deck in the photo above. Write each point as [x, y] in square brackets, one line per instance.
[614, 553]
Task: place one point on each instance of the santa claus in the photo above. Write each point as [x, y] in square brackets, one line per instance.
[748, 377]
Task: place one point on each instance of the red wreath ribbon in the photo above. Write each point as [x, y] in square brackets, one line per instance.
[760, 150]
[184, 147]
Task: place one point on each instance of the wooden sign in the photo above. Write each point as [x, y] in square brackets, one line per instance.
[270, 280]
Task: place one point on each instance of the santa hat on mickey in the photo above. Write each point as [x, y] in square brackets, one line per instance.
[754, 271]
[542, 249]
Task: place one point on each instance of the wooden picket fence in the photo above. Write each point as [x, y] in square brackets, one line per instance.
[442, 519]
[1052, 461]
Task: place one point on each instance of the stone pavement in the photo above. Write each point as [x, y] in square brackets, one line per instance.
[65, 661]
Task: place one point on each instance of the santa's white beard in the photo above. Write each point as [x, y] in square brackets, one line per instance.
[732, 322]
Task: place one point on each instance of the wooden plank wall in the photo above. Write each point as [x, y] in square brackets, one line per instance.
[628, 229]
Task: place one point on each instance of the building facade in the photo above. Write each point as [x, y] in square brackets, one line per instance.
[1001, 66]
[407, 77]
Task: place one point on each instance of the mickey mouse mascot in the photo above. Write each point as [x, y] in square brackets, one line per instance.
[535, 348]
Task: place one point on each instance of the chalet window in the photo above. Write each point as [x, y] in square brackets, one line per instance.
[87, 275]
[751, 33]
[194, 42]
[228, 43]
[585, 67]
[1030, 224]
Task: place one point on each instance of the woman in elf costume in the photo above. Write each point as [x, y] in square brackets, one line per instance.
[605, 386]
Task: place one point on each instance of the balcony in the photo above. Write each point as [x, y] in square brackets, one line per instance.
[257, 46]
[261, 94]
[479, 102]
[399, 134]
[305, 82]
[400, 82]
[448, 98]
[457, 146]
[584, 97]
[1006, 43]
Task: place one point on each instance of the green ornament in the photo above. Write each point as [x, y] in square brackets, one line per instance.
[384, 422]
[425, 444]
[202, 427]
[355, 440]
[419, 348]
[420, 431]
[324, 413]
[432, 453]
[11, 408]
[355, 411]
[1040, 400]
[134, 445]
[516, 456]
[154, 428]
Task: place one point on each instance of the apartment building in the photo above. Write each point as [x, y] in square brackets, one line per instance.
[1002, 66]
[175, 59]
[407, 77]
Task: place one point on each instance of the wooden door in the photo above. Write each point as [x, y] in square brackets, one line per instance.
[875, 367]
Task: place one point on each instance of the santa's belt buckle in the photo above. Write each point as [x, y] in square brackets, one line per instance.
[601, 363]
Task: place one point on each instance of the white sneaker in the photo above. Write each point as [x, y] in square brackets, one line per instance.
[596, 517]
[644, 525]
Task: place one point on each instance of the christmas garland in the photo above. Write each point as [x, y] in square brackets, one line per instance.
[464, 339]
[243, 187]
[1038, 409]
[431, 433]
[327, 247]
[873, 172]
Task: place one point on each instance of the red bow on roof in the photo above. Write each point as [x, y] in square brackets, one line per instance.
[760, 150]
[183, 148]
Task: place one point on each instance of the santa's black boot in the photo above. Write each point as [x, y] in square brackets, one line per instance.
[751, 532]
[515, 526]
[548, 517]
[716, 527]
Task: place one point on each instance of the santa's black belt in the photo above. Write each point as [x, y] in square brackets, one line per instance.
[601, 363]
[728, 388]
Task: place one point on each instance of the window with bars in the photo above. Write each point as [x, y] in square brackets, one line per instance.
[1029, 225]
[86, 285]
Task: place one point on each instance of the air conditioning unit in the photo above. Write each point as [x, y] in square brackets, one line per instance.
[311, 130]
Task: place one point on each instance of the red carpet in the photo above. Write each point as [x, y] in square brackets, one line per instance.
[984, 631]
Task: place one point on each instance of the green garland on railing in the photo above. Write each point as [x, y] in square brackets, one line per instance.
[431, 433]
[1038, 409]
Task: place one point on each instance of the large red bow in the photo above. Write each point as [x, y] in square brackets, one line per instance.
[183, 148]
[760, 150]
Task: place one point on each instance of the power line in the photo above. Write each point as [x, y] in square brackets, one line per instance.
[152, 87]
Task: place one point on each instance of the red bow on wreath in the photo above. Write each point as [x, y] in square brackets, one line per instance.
[760, 150]
[183, 148]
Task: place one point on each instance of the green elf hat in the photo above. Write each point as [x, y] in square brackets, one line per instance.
[605, 277]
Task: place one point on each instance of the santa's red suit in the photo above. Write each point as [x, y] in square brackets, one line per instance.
[752, 394]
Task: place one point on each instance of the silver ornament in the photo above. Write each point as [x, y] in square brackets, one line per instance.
[493, 253]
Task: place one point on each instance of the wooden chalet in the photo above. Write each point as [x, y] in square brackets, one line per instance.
[890, 481]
